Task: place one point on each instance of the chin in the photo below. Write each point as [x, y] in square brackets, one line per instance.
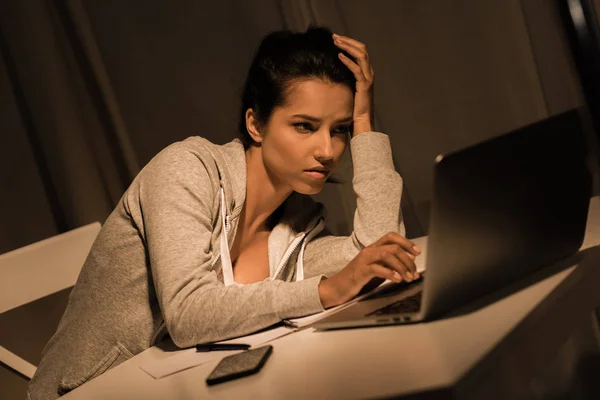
[308, 189]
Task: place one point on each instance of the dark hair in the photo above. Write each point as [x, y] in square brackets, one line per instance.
[283, 57]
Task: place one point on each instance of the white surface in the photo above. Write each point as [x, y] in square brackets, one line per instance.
[44, 267]
[17, 363]
[592, 230]
[188, 358]
[355, 363]
[182, 360]
[38, 270]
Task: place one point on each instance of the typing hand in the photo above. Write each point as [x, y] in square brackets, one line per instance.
[391, 257]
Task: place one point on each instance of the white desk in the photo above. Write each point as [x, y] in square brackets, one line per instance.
[489, 353]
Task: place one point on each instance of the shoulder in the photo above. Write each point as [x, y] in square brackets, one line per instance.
[192, 152]
[190, 159]
[191, 164]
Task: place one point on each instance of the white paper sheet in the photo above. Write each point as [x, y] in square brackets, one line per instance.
[188, 358]
[310, 319]
[182, 360]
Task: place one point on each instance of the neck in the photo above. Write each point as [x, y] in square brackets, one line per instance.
[263, 193]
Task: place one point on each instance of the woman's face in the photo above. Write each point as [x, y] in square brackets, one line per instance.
[305, 138]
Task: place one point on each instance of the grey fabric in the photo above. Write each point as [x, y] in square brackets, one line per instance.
[155, 261]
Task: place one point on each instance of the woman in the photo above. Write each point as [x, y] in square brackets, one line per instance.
[211, 242]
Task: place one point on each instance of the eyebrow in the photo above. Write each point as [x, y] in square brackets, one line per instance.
[314, 119]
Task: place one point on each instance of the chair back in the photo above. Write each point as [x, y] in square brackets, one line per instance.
[39, 270]
[45, 267]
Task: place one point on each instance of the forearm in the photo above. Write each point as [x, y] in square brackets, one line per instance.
[378, 188]
[213, 312]
[362, 125]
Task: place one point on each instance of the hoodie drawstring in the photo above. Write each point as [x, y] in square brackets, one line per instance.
[300, 261]
[226, 265]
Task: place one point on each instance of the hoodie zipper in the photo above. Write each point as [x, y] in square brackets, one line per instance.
[292, 247]
[215, 260]
[288, 253]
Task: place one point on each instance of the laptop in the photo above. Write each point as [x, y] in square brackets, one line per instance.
[501, 209]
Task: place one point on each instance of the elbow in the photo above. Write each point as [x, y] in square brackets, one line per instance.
[179, 336]
[187, 330]
[177, 330]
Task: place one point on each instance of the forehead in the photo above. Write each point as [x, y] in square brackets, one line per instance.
[317, 97]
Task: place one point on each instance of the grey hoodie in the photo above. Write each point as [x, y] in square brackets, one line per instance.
[154, 267]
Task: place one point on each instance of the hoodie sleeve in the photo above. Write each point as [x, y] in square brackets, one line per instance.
[175, 196]
[378, 190]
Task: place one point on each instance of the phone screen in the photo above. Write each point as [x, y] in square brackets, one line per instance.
[238, 365]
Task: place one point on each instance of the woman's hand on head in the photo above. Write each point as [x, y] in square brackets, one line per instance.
[363, 118]
[391, 257]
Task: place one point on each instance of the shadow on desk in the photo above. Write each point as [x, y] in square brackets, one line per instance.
[522, 283]
[570, 369]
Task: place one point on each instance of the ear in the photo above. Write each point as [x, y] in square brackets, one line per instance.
[253, 126]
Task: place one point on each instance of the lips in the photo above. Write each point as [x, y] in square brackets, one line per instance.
[320, 169]
[317, 173]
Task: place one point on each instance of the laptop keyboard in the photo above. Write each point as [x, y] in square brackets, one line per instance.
[410, 304]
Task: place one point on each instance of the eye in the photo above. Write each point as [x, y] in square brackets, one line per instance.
[344, 129]
[304, 127]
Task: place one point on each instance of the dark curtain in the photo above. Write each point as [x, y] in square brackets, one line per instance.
[92, 90]
[73, 157]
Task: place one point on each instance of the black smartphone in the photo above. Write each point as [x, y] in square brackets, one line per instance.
[238, 365]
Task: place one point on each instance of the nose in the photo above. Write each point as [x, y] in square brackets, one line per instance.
[324, 146]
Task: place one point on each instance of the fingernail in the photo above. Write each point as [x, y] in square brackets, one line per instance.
[411, 256]
[341, 55]
[335, 35]
[397, 276]
[416, 249]
[409, 275]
